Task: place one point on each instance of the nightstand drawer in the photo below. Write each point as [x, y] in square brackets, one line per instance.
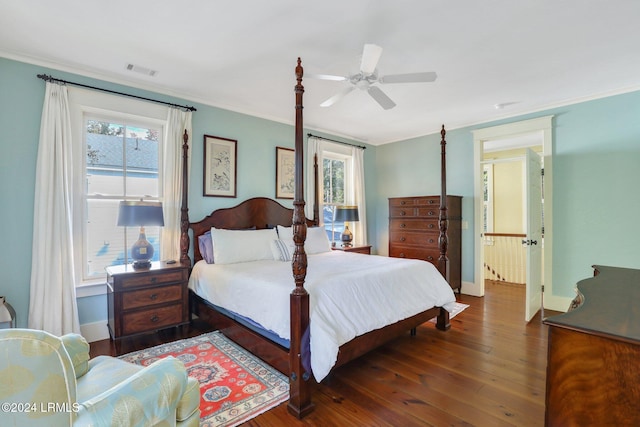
[153, 296]
[152, 319]
[138, 280]
[366, 250]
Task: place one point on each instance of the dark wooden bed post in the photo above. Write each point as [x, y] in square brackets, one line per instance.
[443, 240]
[316, 186]
[299, 385]
[184, 209]
[442, 322]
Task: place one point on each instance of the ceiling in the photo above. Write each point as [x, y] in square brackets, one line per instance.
[240, 55]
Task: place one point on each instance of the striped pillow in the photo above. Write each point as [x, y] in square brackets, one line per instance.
[280, 250]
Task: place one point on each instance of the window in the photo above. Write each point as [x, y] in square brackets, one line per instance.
[119, 146]
[335, 184]
[122, 163]
[487, 200]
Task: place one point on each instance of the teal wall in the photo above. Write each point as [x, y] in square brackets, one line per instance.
[21, 98]
[412, 168]
[596, 184]
[595, 167]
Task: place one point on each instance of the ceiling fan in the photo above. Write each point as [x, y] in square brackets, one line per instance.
[368, 77]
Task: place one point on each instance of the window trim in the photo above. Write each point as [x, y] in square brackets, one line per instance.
[338, 153]
[83, 102]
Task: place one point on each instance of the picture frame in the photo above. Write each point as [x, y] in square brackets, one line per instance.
[285, 167]
[220, 166]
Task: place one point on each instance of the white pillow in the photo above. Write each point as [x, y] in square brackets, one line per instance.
[317, 239]
[285, 233]
[233, 246]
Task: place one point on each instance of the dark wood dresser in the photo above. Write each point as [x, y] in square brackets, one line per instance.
[414, 231]
[593, 366]
[146, 300]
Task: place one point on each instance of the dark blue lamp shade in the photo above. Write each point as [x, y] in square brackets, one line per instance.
[346, 214]
[139, 213]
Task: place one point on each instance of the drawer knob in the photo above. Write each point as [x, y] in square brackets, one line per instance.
[403, 225]
[403, 202]
[153, 297]
[431, 225]
[402, 239]
[431, 213]
[431, 202]
[429, 258]
[401, 255]
[431, 241]
[154, 279]
[155, 319]
[402, 213]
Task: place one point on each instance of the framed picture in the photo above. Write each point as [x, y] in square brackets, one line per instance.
[285, 165]
[220, 162]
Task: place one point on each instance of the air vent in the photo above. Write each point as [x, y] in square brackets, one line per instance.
[141, 70]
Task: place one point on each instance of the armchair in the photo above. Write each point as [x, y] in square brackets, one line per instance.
[49, 381]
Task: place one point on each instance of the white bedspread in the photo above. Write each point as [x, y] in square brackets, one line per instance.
[350, 294]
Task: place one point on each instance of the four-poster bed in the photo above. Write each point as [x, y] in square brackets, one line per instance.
[262, 214]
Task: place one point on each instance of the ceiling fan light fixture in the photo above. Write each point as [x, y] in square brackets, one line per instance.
[362, 84]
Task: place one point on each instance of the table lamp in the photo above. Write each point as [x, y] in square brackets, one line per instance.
[7, 315]
[140, 213]
[346, 214]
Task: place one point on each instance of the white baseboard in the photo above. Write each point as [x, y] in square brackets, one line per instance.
[96, 331]
[469, 288]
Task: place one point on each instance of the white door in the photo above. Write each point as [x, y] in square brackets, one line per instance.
[533, 209]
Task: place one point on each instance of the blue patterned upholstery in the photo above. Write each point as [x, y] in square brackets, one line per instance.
[49, 381]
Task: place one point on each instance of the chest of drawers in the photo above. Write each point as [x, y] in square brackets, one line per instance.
[414, 231]
[593, 375]
[146, 300]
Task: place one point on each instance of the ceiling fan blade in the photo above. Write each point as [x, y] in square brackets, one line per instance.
[370, 57]
[327, 77]
[337, 97]
[381, 98]
[428, 76]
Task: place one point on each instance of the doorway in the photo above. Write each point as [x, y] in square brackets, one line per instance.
[535, 132]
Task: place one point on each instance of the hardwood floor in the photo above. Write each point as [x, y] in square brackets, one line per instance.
[487, 370]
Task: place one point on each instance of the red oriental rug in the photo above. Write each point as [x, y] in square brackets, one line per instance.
[235, 386]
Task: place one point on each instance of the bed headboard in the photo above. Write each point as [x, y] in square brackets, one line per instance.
[259, 212]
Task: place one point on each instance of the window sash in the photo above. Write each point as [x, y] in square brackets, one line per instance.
[104, 243]
[329, 202]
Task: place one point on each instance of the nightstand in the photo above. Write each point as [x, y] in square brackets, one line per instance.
[358, 249]
[146, 300]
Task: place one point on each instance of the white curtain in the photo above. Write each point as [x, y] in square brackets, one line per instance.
[313, 148]
[355, 191]
[357, 196]
[52, 299]
[177, 122]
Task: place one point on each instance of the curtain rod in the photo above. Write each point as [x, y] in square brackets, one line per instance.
[339, 142]
[52, 79]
